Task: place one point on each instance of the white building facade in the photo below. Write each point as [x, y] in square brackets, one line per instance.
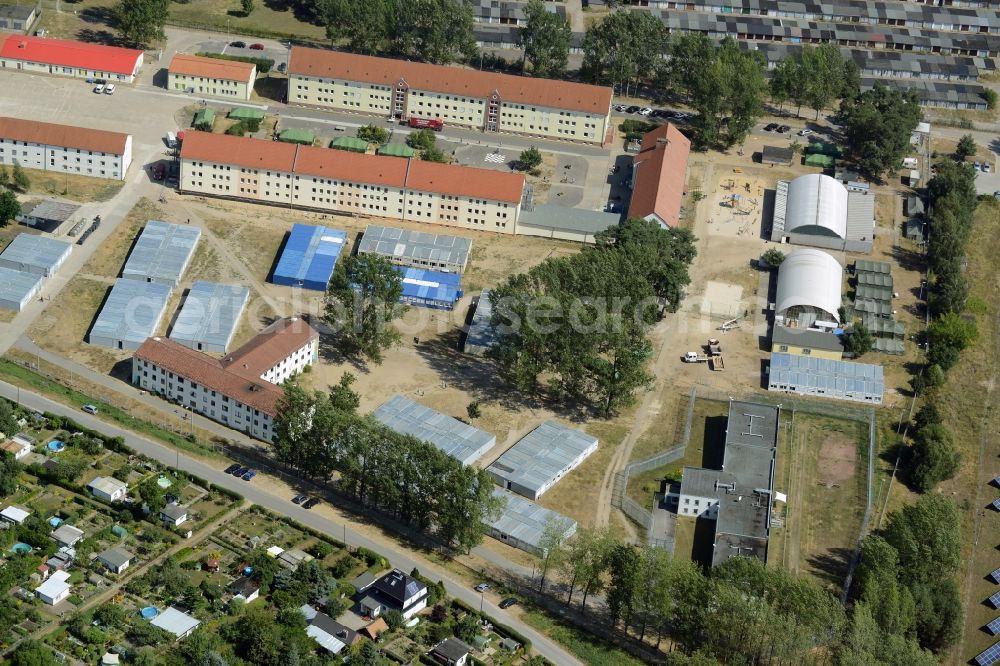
[64, 149]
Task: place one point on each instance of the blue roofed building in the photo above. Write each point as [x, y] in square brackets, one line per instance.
[430, 289]
[309, 257]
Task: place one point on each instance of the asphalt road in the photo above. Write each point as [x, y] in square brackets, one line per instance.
[399, 558]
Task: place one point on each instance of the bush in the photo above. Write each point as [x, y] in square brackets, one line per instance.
[239, 129]
[373, 134]
[422, 140]
[935, 458]
[857, 340]
[773, 257]
[633, 126]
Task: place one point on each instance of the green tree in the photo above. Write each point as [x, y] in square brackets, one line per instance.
[4, 176]
[966, 147]
[33, 653]
[424, 139]
[990, 96]
[436, 31]
[625, 49]
[140, 22]
[823, 74]
[948, 335]
[374, 134]
[248, 7]
[877, 585]
[551, 544]
[545, 38]
[928, 539]
[110, 615]
[368, 26]
[364, 300]
[878, 127]
[19, 179]
[394, 619]
[10, 208]
[773, 257]
[939, 615]
[342, 397]
[256, 636]
[434, 154]
[785, 80]
[473, 410]
[10, 474]
[858, 339]
[935, 458]
[927, 415]
[152, 495]
[529, 158]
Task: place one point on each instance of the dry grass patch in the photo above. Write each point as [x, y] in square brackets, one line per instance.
[110, 260]
[77, 188]
[63, 327]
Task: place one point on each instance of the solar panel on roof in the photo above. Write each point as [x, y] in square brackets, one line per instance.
[993, 627]
[989, 656]
[996, 504]
[995, 600]
[995, 575]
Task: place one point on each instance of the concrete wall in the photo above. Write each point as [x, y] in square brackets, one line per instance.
[60, 159]
[227, 88]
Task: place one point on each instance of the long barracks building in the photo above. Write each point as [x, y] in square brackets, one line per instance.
[488, 101]
[338, 181]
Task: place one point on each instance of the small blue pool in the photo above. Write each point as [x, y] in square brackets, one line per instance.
[56, 446]
[56, 521]
[149, 612]
[20, 548]
[247, 571]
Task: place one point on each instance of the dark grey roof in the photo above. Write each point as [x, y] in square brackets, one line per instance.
[806, 337]
[364, 581]
[459, 440]
[330, 626]
[526, 521]
[752, 423]
[174, 511]
[937, 93]
[542, 456]
[416, 246]
[55, 211]
[243, 586]
[480, 336]
[115, 557]
[562, 218]
[776, 154]
[398, 586]
[162, 252]
[452, 649]
[17, 12]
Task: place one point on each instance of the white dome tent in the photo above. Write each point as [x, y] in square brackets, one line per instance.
[809, 290]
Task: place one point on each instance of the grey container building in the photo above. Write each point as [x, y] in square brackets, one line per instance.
[480, 335]
[419, 249]
[17, 288]
[162, 253]
[522, 523]
[35, 254]
[841, 380]
[541, 458]
[459, 440]
[131, 313]
[209, 317]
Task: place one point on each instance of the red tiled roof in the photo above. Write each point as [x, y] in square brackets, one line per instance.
[67, 136]
[338, 164]
[238, 151]
[238, 374]
[451, 80]
[660, 174]
[68, 53]
[211, 68]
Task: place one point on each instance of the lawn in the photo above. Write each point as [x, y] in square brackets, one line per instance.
[585, 646]
[78, 188]
[664, 427]
[268, 19]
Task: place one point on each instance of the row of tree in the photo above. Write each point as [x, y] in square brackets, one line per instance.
[741, 611]
[318, 434]
[877, 127]
[577, 326]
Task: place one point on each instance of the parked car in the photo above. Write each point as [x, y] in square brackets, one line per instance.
[249, 474]
[282, 67]
[311, 503]
[482, 587]
[232, 468]
[109, 89]
[632, 109]
[658, 113]
[90, 409]
[238, 45]
[679, 115]
[805, 132]
[770, 127]
[158, 171]
[299, 499]
[977, 165]
[256, 47]
[645, 111]
[99, 88]
[784, 129]
[240, 471]
[986, 167]
[508, 602]
[619, 107]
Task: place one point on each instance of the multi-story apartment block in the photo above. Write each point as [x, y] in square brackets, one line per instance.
[488, 101]
[65, 149]
[342, 182]
[62, 57]
[242, 389]
[211, 76]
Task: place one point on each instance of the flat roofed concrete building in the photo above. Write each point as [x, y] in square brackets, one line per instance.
[210, 316]
[456, 95]
[18, 288]
[48, 215]
[17, 18]
[419, 249]
[738, 496]
[211, 76]
[65, 149]
[131, 313]
[542, 457]
[240, 390]
[522, 523]
[659, 176]
[162, 253]
[840, 380]
[63, 57]
[40, 255]
[564, 223]
[176, 622]
[459, 440]
[344, 182]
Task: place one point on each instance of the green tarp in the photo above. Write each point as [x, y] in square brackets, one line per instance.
[353, 144]
[244, 113]
[204, 118]
[396, 150]
[823, 148]
[304, 137]
[817, 160]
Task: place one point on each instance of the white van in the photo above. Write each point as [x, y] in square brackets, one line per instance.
[109, 89]
[171, 140]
